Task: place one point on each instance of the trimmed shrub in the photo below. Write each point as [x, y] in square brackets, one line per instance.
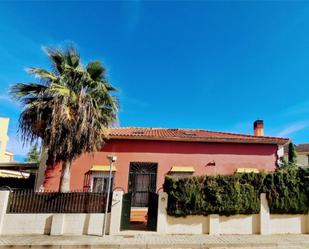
[287, 192]
[203, 195]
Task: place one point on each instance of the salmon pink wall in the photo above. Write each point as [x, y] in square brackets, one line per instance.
[227, 158]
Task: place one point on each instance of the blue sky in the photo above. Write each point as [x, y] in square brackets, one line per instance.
[210, 65]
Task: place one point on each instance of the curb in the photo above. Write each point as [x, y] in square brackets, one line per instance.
[153, 246]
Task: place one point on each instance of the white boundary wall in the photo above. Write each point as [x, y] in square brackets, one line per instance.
[262, 223]
[54, 224]
[92, 224]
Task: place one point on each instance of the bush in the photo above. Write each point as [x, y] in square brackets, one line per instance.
[203, 195]
[287, 192]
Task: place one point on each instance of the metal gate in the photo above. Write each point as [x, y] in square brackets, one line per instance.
[152, 212]
[125, 211]
[142, 180]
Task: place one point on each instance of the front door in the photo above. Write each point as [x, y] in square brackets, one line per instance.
[142, 180]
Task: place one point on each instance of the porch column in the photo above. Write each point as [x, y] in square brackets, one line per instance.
[4, 200]
[214, 224]
[116, 213]
[264, 216]
[162, 213]
[57, 224]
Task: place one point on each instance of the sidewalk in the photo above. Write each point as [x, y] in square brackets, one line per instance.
[157, 241]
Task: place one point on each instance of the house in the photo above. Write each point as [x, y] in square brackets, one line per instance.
[302, 154]
[5, 156]
[14, 174]
[146, 155]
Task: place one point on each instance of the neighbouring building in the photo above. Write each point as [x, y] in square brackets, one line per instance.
[302, 154]
[146, 155]
[13, 174]
[5, 156]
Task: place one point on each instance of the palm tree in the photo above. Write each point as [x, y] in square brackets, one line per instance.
[69, 109]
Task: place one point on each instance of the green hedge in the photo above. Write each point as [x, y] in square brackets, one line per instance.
[286, 191]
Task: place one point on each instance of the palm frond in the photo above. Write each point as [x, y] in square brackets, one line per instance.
[57, 58]
[60, 90]
[72, 57]
[109, 87]
[42, 74]
[20, 90]
[96, 70]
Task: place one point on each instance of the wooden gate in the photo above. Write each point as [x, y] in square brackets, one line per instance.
[152, 211]
[126, 211]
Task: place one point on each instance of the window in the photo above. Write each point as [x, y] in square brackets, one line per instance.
[181, 174]
[247, 170]
[99, 182]
[181, 171]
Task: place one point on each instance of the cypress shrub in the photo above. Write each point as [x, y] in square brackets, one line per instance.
[287, 192]
[185, 195]
[203, 195]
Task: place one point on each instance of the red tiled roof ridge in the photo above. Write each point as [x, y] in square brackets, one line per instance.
[197, 130]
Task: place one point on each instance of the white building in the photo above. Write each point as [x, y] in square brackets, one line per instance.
[302, 154]
[5, 156]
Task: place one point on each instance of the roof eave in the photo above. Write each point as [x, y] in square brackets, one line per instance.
[210, 140]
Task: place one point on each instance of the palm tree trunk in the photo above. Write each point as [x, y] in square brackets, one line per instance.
[65, 177]
[39, 186]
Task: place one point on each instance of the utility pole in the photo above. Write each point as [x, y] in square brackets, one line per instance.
[111, 159]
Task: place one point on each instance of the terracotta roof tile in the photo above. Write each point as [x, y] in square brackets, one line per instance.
[189, 135]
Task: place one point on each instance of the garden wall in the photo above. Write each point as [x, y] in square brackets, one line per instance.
[214, 224]
[283, 224]
[49, 223]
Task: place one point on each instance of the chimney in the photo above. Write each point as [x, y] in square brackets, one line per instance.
[258, 127]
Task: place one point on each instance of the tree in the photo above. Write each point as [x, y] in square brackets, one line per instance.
[33, 155]
[292, 154]
[70, 109]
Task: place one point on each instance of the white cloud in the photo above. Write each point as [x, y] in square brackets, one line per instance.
[293, 128]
